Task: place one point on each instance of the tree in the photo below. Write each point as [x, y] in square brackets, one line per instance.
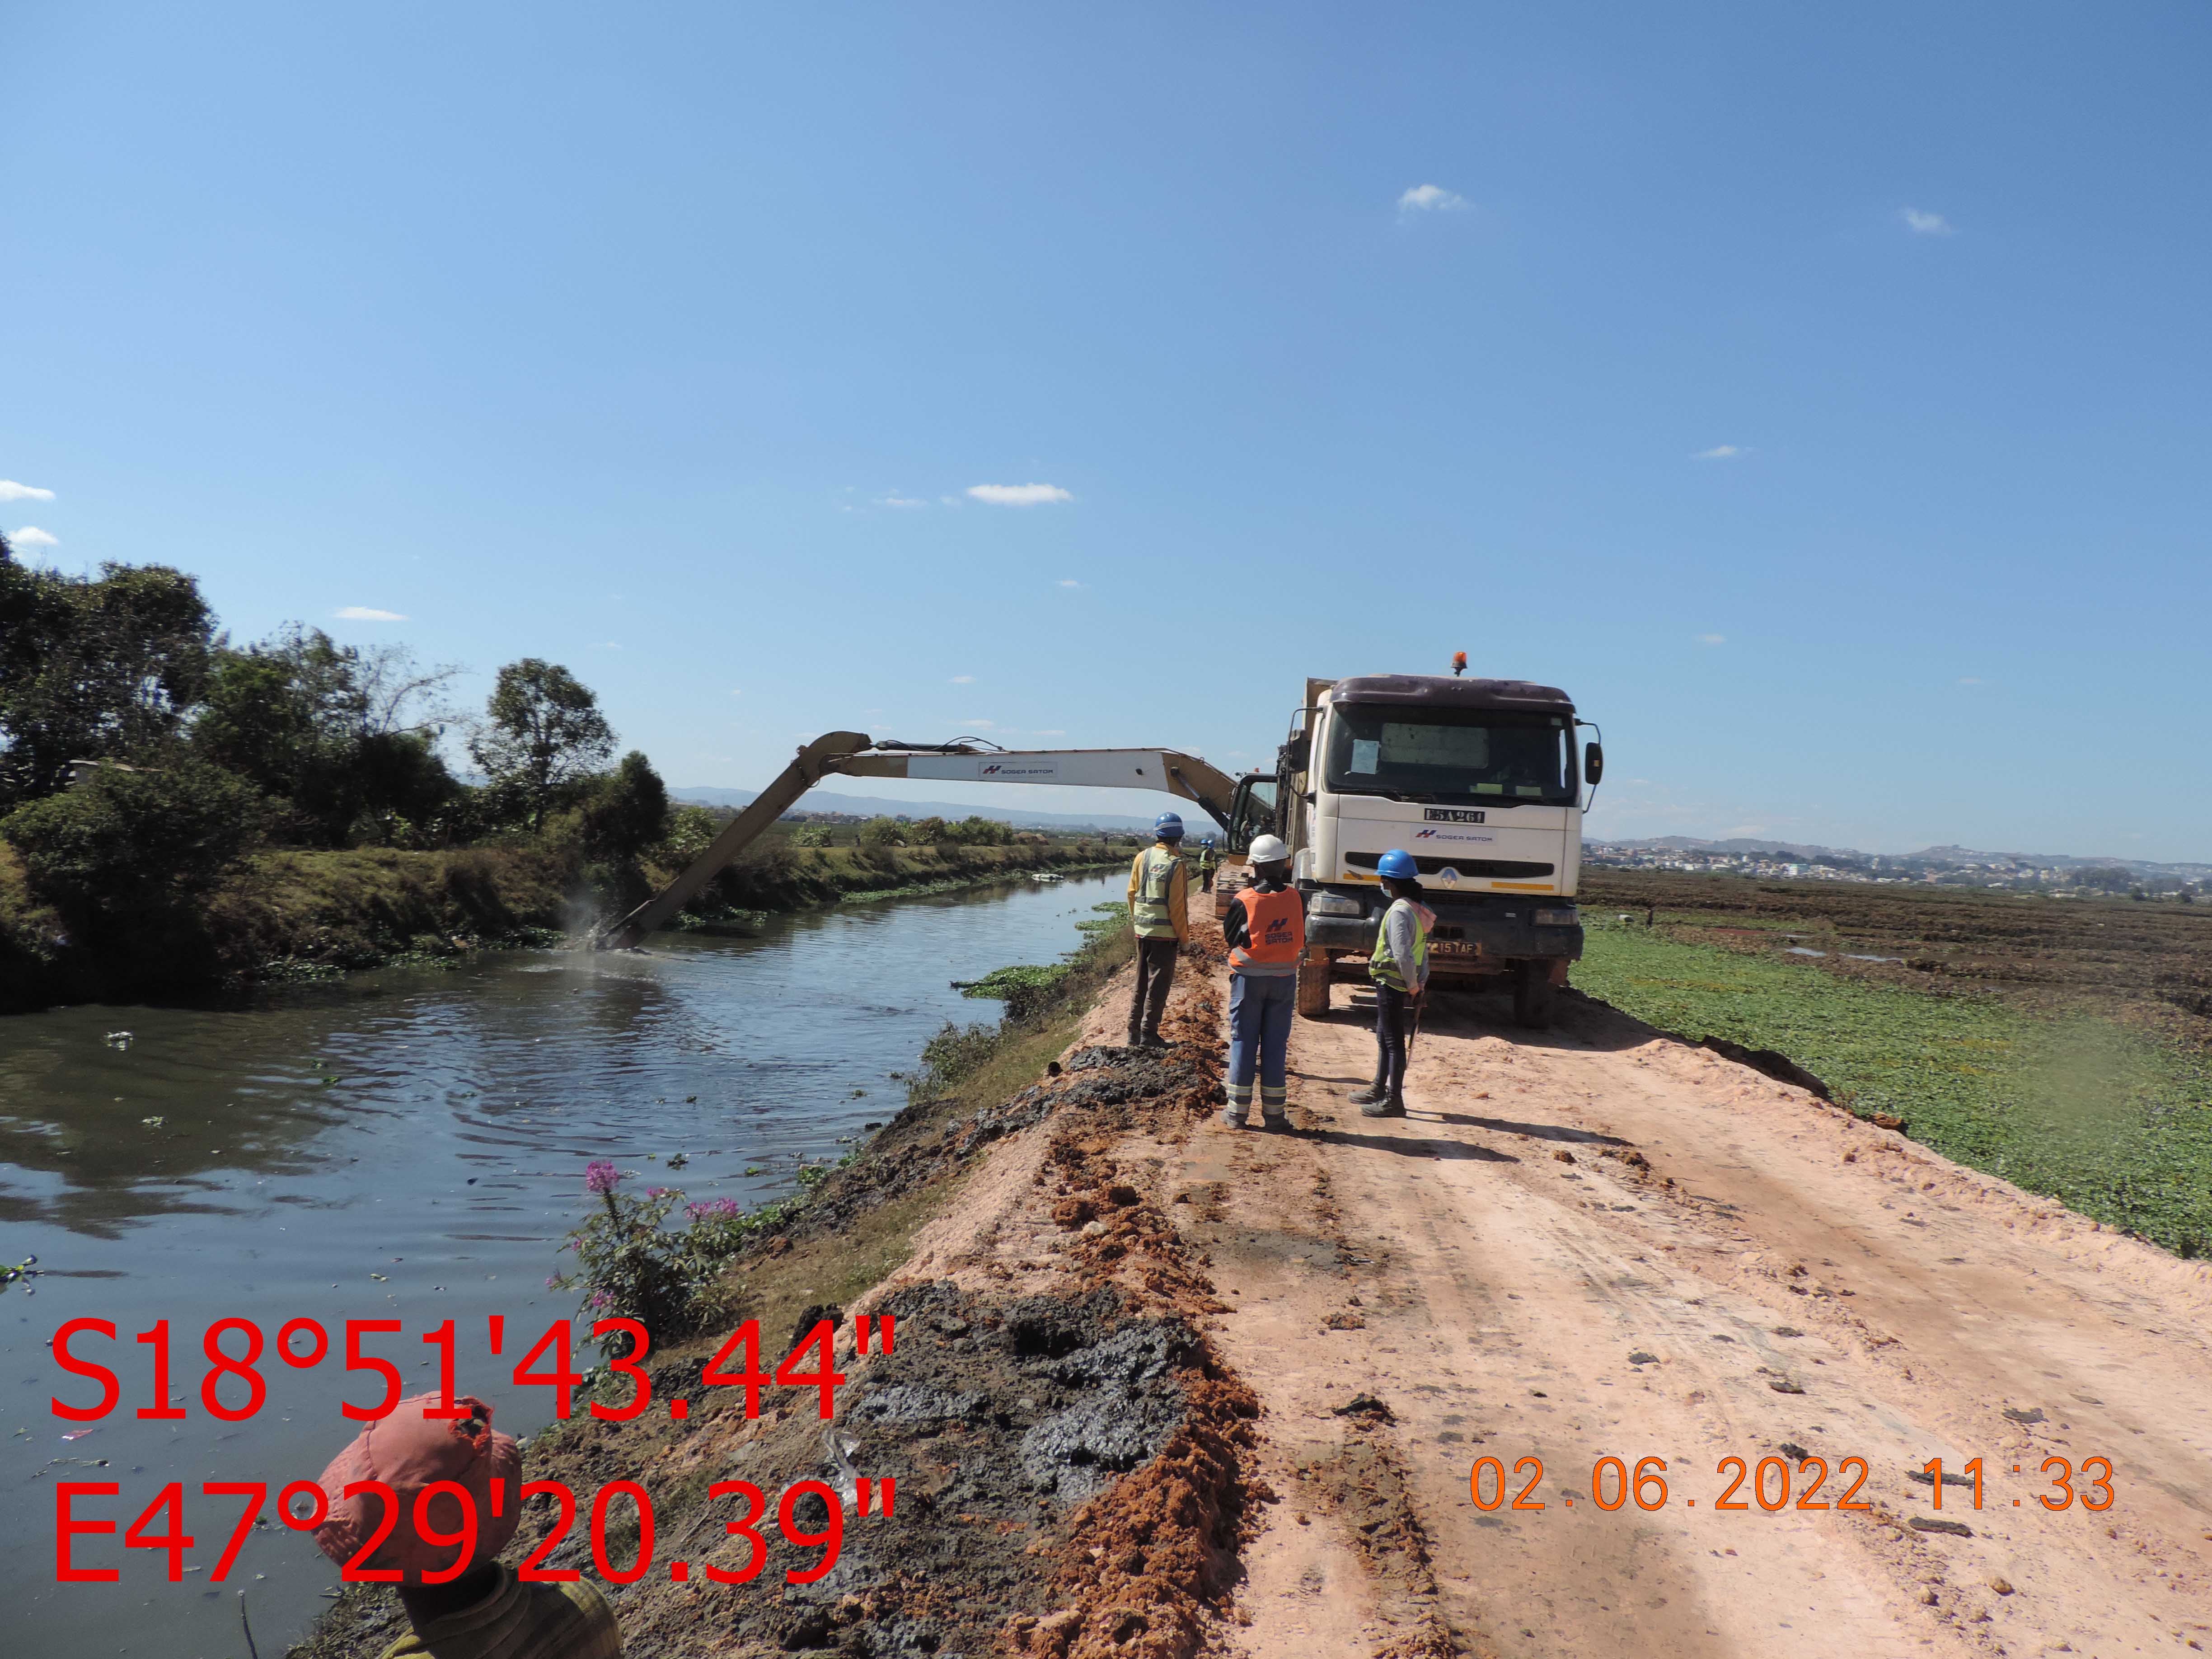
[544, 734]
[627, 813]
[94, 667]
[881, 831]
[329, 728]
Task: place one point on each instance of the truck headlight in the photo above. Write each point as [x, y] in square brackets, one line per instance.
[1333, 904]
[1563, 916]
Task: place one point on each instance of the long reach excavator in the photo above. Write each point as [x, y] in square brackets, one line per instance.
[1482, 780]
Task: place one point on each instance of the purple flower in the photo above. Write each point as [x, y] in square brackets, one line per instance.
[553, 1283]
[656, 1192]
[601, 1177]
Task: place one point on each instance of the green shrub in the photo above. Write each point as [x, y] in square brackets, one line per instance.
[124, 841]
[691, 831]
[630, 1265]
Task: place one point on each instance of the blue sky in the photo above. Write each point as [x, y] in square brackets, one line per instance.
[1817, 394]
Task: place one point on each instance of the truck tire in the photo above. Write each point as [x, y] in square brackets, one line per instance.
[1313, 987]
[1532, 995]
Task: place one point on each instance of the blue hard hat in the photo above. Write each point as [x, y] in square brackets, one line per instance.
[1398, 864]
[1168, 826]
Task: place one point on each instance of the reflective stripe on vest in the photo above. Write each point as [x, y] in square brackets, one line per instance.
[1383, 967]
[1274, 931]
[1149, 914]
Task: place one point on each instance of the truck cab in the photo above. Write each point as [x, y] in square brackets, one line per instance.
[1482, 781]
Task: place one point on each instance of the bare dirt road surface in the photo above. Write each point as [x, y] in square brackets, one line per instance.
[1599, 1242]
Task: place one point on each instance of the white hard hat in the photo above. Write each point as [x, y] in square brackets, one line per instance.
[1270, 849]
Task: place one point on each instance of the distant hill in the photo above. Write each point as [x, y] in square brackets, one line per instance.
[1934, 856]
[865, 806]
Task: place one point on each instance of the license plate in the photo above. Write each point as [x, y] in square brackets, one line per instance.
[1453, 948]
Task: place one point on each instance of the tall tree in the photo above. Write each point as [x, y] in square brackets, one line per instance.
[101, 667]
[544, 732]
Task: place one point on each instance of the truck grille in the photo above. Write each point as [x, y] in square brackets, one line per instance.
[1494, 869]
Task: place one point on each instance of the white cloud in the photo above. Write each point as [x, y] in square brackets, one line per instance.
[1430, 198]
[904, 500]
[737, 691]
[1718, 452]
[12, 491]
[1926, 224]
[1069, 582]
[1712, 639]
[606, 645]
[950, 500]
[367, 613]
[1028, 494]
[30, 535]
[964, 679]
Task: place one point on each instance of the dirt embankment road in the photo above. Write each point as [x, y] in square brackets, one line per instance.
[1594, 1242]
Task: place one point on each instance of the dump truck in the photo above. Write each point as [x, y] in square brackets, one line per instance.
[1482, 780]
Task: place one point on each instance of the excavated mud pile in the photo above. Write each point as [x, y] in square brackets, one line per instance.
[999, 1420]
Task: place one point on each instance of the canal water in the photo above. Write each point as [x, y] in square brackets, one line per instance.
[410, 1145]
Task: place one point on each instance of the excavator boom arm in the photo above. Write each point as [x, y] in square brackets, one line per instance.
[852, 754]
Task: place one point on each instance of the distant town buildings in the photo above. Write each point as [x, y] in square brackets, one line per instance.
[1937, 866]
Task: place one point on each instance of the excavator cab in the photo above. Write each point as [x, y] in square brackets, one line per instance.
[1252, 811]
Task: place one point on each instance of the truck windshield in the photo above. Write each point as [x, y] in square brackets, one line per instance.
[1434, 756]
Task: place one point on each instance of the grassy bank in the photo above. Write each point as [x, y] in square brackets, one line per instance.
[775, 875]
[2105, 1107]
[306, 915]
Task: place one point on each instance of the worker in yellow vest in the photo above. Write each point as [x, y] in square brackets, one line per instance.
[1160, 911]
[1265, 930]
[1400, 968]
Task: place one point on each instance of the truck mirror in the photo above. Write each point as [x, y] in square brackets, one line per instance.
[1593, 763]
[1297, 752]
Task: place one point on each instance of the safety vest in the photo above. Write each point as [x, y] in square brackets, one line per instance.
[1383, 967]
[1274, 932]
[1156, 869]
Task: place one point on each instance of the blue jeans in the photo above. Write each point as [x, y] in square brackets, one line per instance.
[1260, 1007]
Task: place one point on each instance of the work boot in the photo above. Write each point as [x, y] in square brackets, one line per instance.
[1275, 1121]
[1373, 1095]
[1152, 1039]
[1382, 1106]
[1231, 1118]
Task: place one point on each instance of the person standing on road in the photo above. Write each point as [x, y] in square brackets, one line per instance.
[1160, 911]
[1265, 930]
[1400, 968]
[1206, 865]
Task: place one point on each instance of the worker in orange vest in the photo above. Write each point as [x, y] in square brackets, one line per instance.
[1265, 933]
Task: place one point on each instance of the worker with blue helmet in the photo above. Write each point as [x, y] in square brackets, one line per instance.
[1205, 862]
[1159, 912]
[1400, 968]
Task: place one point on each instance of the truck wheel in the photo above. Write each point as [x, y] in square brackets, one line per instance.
[1313, 987]
[1532, 995]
